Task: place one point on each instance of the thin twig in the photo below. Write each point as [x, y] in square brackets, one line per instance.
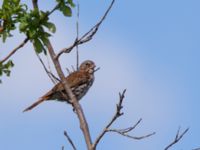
[88, 35]
[49, 67]
[53, 78]
[129, 136]
[126, 130]
[177, 138]
[117, 114]
[77, 36]
[130, 128]
[69, 140]
[123, 132]
[15, 50]
[63, 148]
[68, 70]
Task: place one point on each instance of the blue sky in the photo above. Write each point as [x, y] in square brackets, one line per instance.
[151, 48]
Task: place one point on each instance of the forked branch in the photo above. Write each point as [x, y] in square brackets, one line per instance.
[123, 132]
[73, 100]
[117, 114]
[88, 35]
[178, 137]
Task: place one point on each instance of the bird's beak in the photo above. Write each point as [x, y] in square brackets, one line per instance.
[96, 69]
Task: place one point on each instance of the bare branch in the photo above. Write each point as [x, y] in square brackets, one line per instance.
[88, 35]
[129, 136]
[130, 128]
[73, 99]
[77, 35]
[69, 140]
[123, 132]
[53, 78]
[117, 114]
[178, 137]
[15, 50]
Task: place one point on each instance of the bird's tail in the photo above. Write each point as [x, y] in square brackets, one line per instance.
[42, 99]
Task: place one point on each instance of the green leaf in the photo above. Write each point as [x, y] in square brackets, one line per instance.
[7, 72]
[45, 40]
[50, 26]
[32, 34]
[5, 68]
[23, 26]
[71, 3]
[16, 2]
[38, 45]
[47, 34]
[10, 64]
[66, 10]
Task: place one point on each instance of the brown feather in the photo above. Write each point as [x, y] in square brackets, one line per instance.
[40, 100]
[74, 79]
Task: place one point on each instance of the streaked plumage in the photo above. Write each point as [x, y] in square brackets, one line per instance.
[79, 81]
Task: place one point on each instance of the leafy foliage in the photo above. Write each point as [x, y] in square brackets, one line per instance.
[5, 68]
[10, 13]
[34, 24]
[65, 7]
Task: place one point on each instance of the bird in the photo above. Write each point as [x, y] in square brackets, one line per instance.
[79, 81]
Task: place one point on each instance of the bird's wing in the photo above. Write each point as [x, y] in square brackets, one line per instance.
[77, 78]
[74, 79]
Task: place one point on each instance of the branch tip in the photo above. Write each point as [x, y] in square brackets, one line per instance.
[178, 137]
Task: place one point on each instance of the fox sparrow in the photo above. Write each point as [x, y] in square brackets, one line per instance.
[79, 81]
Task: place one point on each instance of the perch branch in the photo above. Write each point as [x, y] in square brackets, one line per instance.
[15, 50]
[73, 99]
[69, 140]
[88, 35]
[178, 137]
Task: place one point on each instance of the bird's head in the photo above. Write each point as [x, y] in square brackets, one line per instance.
[88, 66]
